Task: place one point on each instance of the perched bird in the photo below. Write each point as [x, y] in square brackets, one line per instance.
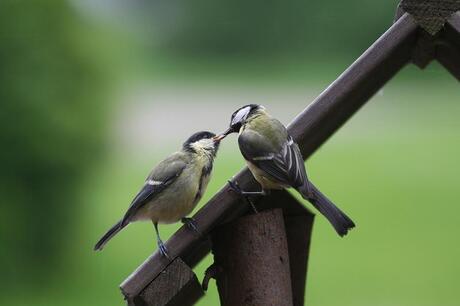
[173, 188]
[275, 161]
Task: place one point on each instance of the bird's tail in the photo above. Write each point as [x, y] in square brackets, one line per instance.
[107, 236]
[339, 220]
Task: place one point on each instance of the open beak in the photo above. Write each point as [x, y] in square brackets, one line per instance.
[223, 135]
[218, 138]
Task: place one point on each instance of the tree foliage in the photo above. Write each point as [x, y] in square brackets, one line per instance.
[50, 126]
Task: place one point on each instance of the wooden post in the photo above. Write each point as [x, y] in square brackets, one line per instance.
[176, 286]
[252, 253]
[298, 230]
[298, 224]
[298, 221]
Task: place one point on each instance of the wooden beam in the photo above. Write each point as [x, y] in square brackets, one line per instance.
[252, 255]
[310, 129]
[449, 56]
[451, 32]
[448, 46]
[424, 50]
[334, 106]
[176, 286]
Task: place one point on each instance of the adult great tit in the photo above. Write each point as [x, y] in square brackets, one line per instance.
[275, 161]
[172, 189]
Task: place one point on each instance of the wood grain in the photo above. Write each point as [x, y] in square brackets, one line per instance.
[298, 221]
[176, 286]
[252, 253]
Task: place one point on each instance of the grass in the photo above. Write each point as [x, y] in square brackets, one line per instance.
[393, 168]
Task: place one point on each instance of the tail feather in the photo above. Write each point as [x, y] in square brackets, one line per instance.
[107, 236]
[339, 220]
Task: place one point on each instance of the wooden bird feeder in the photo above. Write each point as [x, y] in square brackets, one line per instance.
[262, 259]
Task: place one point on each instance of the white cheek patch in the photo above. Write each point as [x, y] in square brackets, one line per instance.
[241, 115]
[204, 144]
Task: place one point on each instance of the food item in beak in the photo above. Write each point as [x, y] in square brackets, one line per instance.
[219, 137]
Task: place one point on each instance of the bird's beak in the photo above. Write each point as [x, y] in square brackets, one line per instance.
[223, 135]
[218, 138]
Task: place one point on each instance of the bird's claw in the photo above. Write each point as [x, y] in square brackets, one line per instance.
[191, 224]
[253, 206]
[163, 250]
[235, 187]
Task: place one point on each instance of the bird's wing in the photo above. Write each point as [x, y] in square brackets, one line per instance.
[159, 179]
[284, 162]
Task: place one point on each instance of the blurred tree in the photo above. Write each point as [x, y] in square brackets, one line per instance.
[225, 28]
[51, 124]
[259, 28]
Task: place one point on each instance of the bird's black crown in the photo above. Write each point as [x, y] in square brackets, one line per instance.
[197, 137]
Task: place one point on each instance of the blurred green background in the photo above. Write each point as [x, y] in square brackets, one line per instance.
[93, 93]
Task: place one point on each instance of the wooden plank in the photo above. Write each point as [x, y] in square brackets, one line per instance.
[451, 32]
[252, 255]
[311, 129]
[299, 225]
[176, 286]
[449, 56]
[424, 50]
[448, 48]
[298, 232]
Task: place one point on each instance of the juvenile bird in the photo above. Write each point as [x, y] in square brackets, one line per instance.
[275, 161]
[172, 189]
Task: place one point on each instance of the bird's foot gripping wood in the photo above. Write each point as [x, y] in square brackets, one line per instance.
[162, 249]
[161, 246]
[191, 224]
[236, 188]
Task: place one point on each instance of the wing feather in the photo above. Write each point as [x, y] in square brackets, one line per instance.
[159, 179]
[284, 164]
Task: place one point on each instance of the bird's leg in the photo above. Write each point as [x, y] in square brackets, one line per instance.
[236, 188]
[161, 245]
[191, 224]
[245, 194]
